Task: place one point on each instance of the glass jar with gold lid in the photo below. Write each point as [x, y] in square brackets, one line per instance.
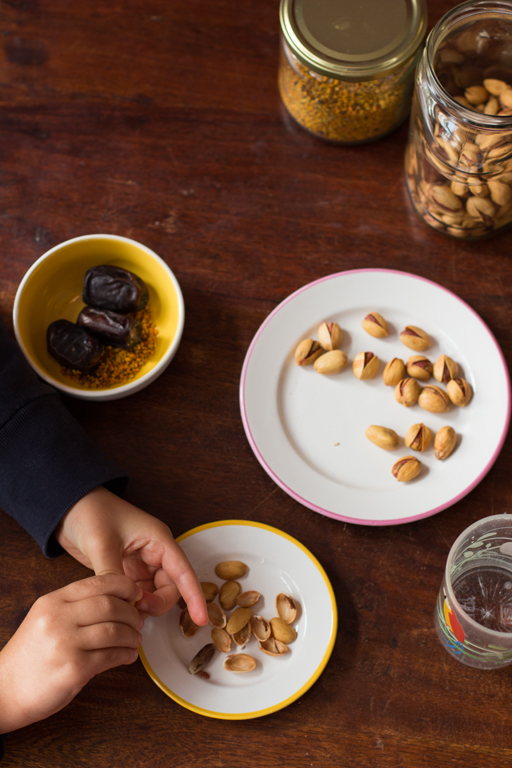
[346, 69]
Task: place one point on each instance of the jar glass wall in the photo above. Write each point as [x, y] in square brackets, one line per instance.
[458, 160]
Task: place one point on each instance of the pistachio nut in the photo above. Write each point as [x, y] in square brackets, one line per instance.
[494, 86]
[501, 194]
[365, 365]
[446, 200]
[418, 437]
[407, 391]
[445, 369]
[375, 325]
[243, 635]
[383, 437]
[187, 626]
[330, 336]
[230, 569]
[246, 599]
[238, 619]
[239, 662]
[459, 392]
[434, 399]
[229, 593]
[286, 607]
[273, 647]
[331, 362]
[282, 631]
[307, 352]
[476, 94]
[406, 469]
[393, 372]
[444, 442]
[210, 590]
[481, 208]
[414, 337]
[221, 640]
[201, 659]
[260, 628]
[216, 615]
[419, 367]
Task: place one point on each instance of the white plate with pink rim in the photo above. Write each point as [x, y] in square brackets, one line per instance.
[308, 430]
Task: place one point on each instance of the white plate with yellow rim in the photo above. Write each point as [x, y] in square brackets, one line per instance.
[308, 430]
[276, 563]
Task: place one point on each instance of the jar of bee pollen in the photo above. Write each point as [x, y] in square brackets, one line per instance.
[346, 69]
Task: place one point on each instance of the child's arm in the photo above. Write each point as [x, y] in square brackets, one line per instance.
[67, 637]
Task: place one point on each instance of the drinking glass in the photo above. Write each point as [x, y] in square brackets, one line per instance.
[473, 615]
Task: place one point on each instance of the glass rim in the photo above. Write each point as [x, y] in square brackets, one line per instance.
[504, 516]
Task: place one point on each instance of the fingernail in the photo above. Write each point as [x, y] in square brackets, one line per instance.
[143, 606]
[141, 622]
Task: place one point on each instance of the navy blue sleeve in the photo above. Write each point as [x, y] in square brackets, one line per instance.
[47, 461]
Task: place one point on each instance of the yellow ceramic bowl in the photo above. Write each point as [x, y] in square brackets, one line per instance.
[52, 289]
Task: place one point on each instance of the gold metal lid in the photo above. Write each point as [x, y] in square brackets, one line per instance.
[353, 40]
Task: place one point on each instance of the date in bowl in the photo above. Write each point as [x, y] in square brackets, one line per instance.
[52, 289]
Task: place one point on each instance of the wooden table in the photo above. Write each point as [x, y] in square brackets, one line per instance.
[161, 121]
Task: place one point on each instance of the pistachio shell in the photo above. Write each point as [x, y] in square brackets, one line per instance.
[382, 437]
[221, 640]
[260, 628]
[243, 636]
[332, 362]
[239, 662]
[365, 365]
[216, 615]
[406, 469]
[330, 335]
[187, 626]
[393, 372]
[273, 647]
[414, 337]
[229, 593]
[494, 86]
[201, 659]
[210, 590]
[375, 325]
[445, 199]
[307, 352]
[445, 369]
[231, 569]
[238, 619]
[418, 437]
[434, 399]
[286, 607]
[419, 367]
[407, 392]
[248, 598]
[282, 631]
[459, 392]
[444, 443]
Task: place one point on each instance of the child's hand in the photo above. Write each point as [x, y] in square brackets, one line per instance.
[67, 637]
[110, 535]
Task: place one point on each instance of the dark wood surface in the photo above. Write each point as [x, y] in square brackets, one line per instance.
[161, 121]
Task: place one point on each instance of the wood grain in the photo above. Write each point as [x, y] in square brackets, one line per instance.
[161, 121]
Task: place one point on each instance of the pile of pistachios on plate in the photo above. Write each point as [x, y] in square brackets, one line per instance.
[404, 377]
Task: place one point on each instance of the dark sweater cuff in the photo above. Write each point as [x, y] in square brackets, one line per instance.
[47, 464]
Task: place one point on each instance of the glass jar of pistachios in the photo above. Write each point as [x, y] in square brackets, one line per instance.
[458, 160]
[347, 69]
